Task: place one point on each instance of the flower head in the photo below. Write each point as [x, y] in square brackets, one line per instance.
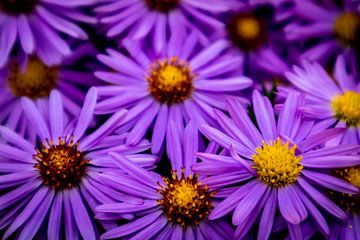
[174, 206]
[58, 176]
[177, 84]
[325, 29]
[275, 166]
[31, 77]
[329, 99]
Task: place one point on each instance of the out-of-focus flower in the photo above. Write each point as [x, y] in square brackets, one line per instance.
[174, 208]
[284, 164]
[36, 24]
[325, 29]
[58, 178]
[177, 84]
[33, 79]
[327, 100]
[255, 30]
[152, 20]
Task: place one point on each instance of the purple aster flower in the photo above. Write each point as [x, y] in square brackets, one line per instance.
[30, 77]
[174, 208]
[177, 84]
[154, 19]
[327, 100]
[285, 163]
[254, 29]
[36, 24]
[53, 187]
[325, 28]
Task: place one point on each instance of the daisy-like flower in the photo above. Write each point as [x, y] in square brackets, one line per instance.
[36, 24]
[153, 19]
[175, 207]
[178, 84]
[254, 30]
[324, 28]
[284, 162]
[51, 188]
[33, 79]
[329, 99]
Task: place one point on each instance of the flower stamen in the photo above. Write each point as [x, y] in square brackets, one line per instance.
[346, 28]
[276, 163]
[60, 165]
[347, 108]
[37, 81]
[170, 81]
[185, 201]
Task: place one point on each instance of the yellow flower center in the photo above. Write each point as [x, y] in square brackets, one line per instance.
[37, 81]
[347, 108]
[346, 28]
[162, 5]
[348, 202]
[248, 28]
[247, 31]
[170, 80]
[60, 165]
[185, 201]
[276, 163]
[17, 7]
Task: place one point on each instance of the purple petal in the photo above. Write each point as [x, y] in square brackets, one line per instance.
[322, 200]
[133, 226]
[81, 215]
[54, 225]
[86, 114]
[290, 205]
[56, 115]
[330, 182]
[136, 172]
[268, 216]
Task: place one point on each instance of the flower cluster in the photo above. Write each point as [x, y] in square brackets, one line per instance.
[180, 119]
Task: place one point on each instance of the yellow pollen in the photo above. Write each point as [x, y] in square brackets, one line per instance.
[276, 163]
[37, 81]
[60, 165]
[170, 80]
[248, 28]
[346, 28]
[347, 108]
[185, 201]
[349, 202]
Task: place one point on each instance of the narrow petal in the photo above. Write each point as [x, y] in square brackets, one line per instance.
[86, 114]
[81, 215]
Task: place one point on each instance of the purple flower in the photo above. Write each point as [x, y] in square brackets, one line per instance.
[53, 186]
[174, 208]
[30, 77]
[254, 29]
[153, 19]
[329, 101]
[285, 163]
[177, 84]
[324, 28]
[36, 25]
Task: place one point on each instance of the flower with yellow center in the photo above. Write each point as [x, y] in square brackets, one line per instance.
[60, 165]
[347, 108]
[37, 81]
[276, 163]
[350, 202]
[346, 28]
[185, 201]
[170, 80]
[247, 31]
